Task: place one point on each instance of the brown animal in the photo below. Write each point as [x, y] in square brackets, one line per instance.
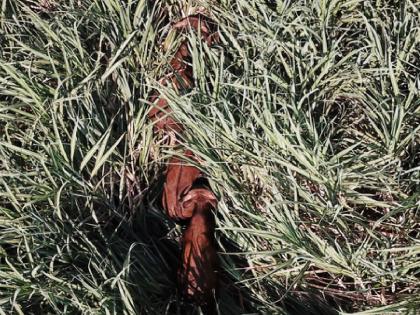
[197, 275]
[179, 181]
[183, 199]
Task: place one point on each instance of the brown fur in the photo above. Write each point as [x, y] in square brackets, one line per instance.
[181, 199]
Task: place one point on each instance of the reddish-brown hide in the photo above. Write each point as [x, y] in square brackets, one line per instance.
[182, 200]
[181, 77]
[199, 261]
[179, 181]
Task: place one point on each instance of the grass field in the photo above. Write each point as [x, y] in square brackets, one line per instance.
[306, 118]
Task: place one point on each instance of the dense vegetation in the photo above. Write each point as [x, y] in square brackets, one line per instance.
[307, 121]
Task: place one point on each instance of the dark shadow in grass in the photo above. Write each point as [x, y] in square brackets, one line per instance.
[238, 299]
[232, 297]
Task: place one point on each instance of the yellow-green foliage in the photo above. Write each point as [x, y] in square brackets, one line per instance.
[306, 118]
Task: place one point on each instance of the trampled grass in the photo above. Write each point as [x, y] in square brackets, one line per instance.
[306, 118]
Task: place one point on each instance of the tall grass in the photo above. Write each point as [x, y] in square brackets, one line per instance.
[306, 118]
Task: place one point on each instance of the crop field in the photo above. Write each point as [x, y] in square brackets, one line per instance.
[305, 119]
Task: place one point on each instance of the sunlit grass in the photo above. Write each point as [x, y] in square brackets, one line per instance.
[306, 119]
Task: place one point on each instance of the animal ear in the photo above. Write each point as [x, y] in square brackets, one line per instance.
[188, 205]
[202, 195]
[208, 194]
[194, 22]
